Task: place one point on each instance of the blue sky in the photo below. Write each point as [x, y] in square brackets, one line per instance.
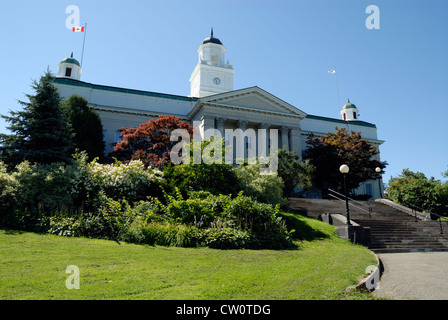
[396, 75]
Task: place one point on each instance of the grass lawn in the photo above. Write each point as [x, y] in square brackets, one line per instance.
[32, 266]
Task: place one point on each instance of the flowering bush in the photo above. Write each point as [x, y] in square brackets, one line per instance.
[30, 185]
[31, 191]
[8, 188]
[131, 180]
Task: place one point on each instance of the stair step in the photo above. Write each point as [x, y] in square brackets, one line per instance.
[391, 230]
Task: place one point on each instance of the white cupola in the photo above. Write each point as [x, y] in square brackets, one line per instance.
[69, 68]
[349, 112]
[212, 74]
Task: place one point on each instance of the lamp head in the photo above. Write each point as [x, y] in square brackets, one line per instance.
[344, 169]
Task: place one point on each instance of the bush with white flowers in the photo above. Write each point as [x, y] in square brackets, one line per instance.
[131, 180]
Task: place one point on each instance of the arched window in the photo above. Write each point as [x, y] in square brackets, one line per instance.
[215, 58]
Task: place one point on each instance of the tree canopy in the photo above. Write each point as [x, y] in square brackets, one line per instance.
[41, 132]
[329, 152]
[294, 171]
[414, 189]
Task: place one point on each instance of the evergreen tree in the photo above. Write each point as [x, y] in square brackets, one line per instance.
[87, 127]
[41, 132]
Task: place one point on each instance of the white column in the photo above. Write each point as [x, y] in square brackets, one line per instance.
[285, 137]
[242, 124]
[207, 123]
[296, 141]
[241, 144]
[263, 140]
[220, 125]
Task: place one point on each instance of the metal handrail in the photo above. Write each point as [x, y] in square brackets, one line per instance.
[369, 210]
[439, 217]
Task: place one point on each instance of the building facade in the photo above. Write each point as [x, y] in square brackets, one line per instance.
[213, 104]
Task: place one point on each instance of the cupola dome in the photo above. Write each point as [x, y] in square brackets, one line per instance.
[212, 39]
[69, 68]
[349, 112]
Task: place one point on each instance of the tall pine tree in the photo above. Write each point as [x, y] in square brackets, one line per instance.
[41, 132]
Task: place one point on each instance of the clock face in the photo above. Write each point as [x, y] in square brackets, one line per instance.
[216, 81]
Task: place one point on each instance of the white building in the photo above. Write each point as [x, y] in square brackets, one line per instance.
[213, 103]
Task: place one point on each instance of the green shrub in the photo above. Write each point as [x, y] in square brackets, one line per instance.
[229, 238]
[163, 234]
[116, 202]
[261, 219]
[264, 188]
[109, 221]
[65, 225]
[191, 211]
[214, 178]
[31, 192]
[111, 218]
[218, 203]
[8, 190]
[47, 185]
[151, 210]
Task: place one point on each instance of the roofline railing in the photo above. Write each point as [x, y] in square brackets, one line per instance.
[341, 197]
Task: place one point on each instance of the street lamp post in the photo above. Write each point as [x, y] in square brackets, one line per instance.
[344, 170]
[378, 170]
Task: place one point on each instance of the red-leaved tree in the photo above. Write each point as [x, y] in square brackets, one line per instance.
[149, 142]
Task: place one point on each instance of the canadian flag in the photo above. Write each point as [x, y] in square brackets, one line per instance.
[78, 29]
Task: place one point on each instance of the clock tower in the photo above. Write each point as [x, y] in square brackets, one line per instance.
[212, 74]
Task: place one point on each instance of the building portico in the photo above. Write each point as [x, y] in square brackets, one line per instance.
[250, 108]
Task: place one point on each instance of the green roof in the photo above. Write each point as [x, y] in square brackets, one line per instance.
[71, 60]
[349, 105]
[354, 122]
[78, 83]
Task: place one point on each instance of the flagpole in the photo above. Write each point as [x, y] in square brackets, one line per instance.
[83, 43]
[337, 90]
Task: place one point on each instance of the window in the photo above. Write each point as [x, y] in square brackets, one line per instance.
[345, 116]
[354, 115]
[215, 58]
[368, 189]
[68, 72]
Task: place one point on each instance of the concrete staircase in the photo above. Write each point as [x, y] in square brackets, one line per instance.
[392, 229]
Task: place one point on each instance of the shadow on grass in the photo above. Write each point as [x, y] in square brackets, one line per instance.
[303, 231]
[12, 232]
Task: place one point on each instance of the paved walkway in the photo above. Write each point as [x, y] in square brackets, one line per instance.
[415, 275]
